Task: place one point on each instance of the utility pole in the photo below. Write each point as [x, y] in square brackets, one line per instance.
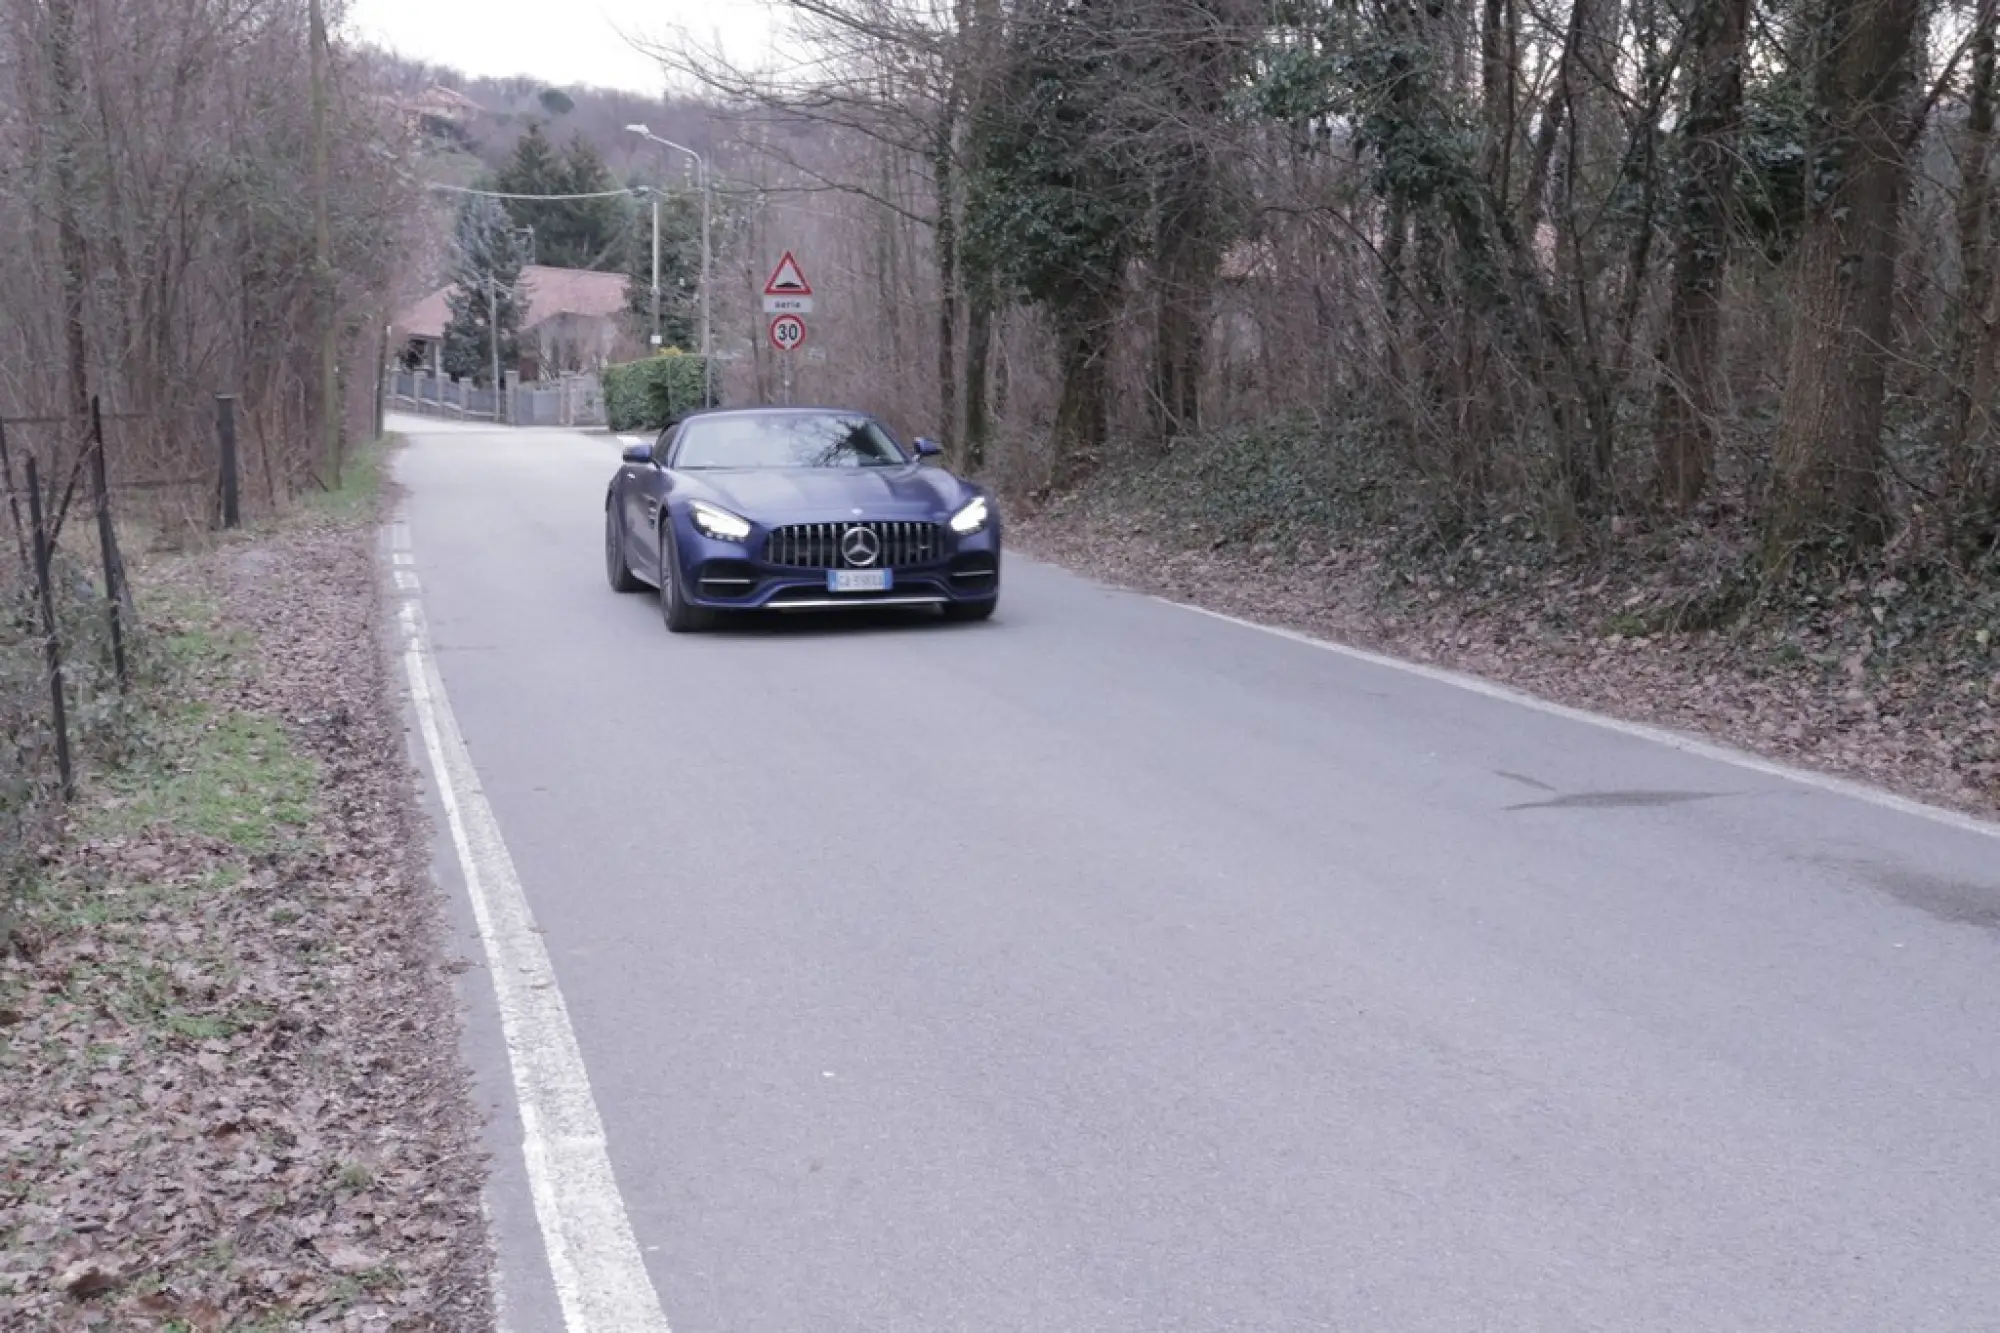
[707, 344]
[657, 343]
[493, 328]
[707, 341]
[329, 388]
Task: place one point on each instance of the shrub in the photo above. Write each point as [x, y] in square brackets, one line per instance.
[645, 395]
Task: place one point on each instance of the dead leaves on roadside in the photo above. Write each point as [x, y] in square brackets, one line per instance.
[232, 1094]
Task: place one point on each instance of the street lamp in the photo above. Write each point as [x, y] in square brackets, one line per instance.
[701, 167]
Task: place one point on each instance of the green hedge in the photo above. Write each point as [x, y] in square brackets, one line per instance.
[645, 395]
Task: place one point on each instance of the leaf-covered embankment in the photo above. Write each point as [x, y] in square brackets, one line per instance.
[1891, 675]
[233, 1097]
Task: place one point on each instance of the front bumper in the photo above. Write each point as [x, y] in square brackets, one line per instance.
[735, 576]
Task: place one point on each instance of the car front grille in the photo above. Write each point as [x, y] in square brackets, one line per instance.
[820, 545]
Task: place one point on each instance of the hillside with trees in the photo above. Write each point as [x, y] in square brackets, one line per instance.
[516, 137]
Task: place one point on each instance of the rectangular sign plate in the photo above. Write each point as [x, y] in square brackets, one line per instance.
[857, 580]
[788, 305]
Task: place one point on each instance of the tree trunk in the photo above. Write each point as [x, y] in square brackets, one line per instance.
[945, 179]
[67, 83]
[1186, 274]
[1685, 409]
[329, 389]
[1186, 235]
[1498, 68]
[1395, 240]
[1828, 492]
[1973, 351]
[1083, 411]
[978, 361]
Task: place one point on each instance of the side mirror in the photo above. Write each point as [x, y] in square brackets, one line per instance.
[638, 453]
[928, 448]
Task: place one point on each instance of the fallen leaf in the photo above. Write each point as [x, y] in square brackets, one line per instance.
[86, 1281]
[345, 1256]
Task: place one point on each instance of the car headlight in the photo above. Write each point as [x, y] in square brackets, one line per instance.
[970, 519]
[719, 523]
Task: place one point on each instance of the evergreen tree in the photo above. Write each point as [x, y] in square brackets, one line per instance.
[536, 169]
[488, 247]
[569, 232]
[593, 230]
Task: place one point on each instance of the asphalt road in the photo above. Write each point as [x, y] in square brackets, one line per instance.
[1112, 967]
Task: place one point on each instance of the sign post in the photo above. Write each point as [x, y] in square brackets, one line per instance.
[788, 298]
[786, 291]
[788, 333]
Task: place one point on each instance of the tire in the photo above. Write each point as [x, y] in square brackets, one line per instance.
[616, 570]
[963, 613]
[680, 618]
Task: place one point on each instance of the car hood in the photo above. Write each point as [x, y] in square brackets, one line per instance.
[804, 494]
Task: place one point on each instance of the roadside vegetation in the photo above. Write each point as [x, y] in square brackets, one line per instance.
[233, 1098]
[1889, 672]
[234, 222]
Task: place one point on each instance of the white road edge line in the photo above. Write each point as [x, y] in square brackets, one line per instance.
[1673, 740]
[600, 1276]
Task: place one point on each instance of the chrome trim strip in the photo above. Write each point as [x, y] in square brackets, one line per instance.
[852, 603]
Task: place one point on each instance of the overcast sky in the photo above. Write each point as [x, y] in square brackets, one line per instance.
[566, 42]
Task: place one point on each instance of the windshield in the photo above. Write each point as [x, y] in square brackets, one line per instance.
[786, 440]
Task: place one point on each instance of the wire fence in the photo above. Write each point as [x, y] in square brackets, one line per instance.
[67, 612]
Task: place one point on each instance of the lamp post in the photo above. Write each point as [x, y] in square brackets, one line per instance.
[701, 168]
[656, 266]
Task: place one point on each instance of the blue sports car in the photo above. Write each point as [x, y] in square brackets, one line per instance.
[796, 509]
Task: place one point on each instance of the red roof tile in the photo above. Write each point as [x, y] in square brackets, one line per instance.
[549, 292]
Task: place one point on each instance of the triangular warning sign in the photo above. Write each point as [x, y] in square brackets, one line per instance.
[787, 279]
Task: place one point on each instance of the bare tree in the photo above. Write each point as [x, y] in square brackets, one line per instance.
[162, 184]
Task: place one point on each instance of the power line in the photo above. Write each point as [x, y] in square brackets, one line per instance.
[496, 194]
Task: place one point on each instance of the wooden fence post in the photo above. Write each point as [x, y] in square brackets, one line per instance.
[225, 435]
[107, 542]
[51, 644]
[13, 500]
[382, 384]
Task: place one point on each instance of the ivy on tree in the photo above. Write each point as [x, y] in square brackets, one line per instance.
[1056, 199]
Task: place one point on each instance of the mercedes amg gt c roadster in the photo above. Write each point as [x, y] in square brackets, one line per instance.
[796, 509]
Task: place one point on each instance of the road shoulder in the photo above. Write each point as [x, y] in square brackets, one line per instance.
[1919, 729]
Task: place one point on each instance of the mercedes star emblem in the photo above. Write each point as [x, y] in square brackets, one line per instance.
[860, 547]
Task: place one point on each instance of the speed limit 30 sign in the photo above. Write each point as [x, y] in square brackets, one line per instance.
[788, 333]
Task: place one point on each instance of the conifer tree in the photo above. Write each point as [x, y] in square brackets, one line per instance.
[488, 247]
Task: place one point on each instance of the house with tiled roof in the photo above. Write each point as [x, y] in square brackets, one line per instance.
[572, 320]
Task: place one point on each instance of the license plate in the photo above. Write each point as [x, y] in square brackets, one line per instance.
[857, 580]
